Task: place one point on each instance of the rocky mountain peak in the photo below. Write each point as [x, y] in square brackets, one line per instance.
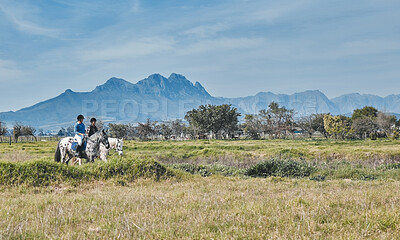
[174, 77]
[114, 84]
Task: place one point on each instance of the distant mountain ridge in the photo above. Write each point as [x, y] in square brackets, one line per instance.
[160, 99]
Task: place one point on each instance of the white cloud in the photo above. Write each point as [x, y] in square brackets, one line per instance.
[271, 12]
[127, 50]
[206, 31]
[220, 45]
[19, 17]
[363, 48]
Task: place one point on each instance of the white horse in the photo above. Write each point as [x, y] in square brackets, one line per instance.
[64, 152]
[115, 143]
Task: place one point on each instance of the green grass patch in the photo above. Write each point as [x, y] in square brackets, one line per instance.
[44, 172]
[208, 170]
[281, 168]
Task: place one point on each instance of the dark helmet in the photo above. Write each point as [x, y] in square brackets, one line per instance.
[93, 120]
[80, 116]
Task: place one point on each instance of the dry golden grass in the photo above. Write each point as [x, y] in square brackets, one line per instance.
[18, 156]
[212, 207]
[205, 208]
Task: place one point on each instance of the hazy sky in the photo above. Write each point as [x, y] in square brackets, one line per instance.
[233, 47]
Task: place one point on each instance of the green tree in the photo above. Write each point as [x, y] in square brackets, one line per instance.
[21, 130]
[305, 124]
[3, 129]
[318, 124]
[386, 123]
[279, 120]
[337, 126]
[118, 130]
[178, 127]
[146, 130]
[217, 119]
[313, 123]
[166, 130]
[364, 127]
[365, 112]
[368, 121]
[62, 132]
[253, 125]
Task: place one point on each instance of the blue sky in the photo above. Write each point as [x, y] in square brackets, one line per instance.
[234, 48]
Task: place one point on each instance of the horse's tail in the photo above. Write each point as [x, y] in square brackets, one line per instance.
[57, 155]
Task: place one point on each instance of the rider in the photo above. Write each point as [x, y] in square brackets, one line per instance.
[79, 130]
[92, 128]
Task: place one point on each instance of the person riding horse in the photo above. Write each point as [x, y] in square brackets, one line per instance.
[79, 130]
[92, 128]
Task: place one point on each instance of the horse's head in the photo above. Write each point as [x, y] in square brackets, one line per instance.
[104, 139]
[119, 146]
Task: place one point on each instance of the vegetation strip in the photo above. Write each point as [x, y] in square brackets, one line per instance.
[44, 173]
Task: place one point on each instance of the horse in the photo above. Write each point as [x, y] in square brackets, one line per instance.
[115, 143]
[64, 152]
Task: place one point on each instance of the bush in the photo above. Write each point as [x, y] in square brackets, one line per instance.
[280, 168]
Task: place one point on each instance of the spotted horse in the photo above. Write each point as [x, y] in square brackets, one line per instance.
[64, 152]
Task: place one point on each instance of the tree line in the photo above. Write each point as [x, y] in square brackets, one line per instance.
[276, 122]
[222, 122]
[279, 122]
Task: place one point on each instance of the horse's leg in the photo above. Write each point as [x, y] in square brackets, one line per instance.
[70, 156]
[91, 158]
[103, 156]
[63, 155]
[101, 153]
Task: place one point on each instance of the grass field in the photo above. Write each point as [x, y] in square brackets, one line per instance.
[351, 193]
[233, 152]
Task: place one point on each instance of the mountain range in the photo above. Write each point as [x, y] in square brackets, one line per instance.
[161, 99]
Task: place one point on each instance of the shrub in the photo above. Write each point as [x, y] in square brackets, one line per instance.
[280, 168]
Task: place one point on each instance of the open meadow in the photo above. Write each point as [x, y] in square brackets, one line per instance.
[246, 189]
